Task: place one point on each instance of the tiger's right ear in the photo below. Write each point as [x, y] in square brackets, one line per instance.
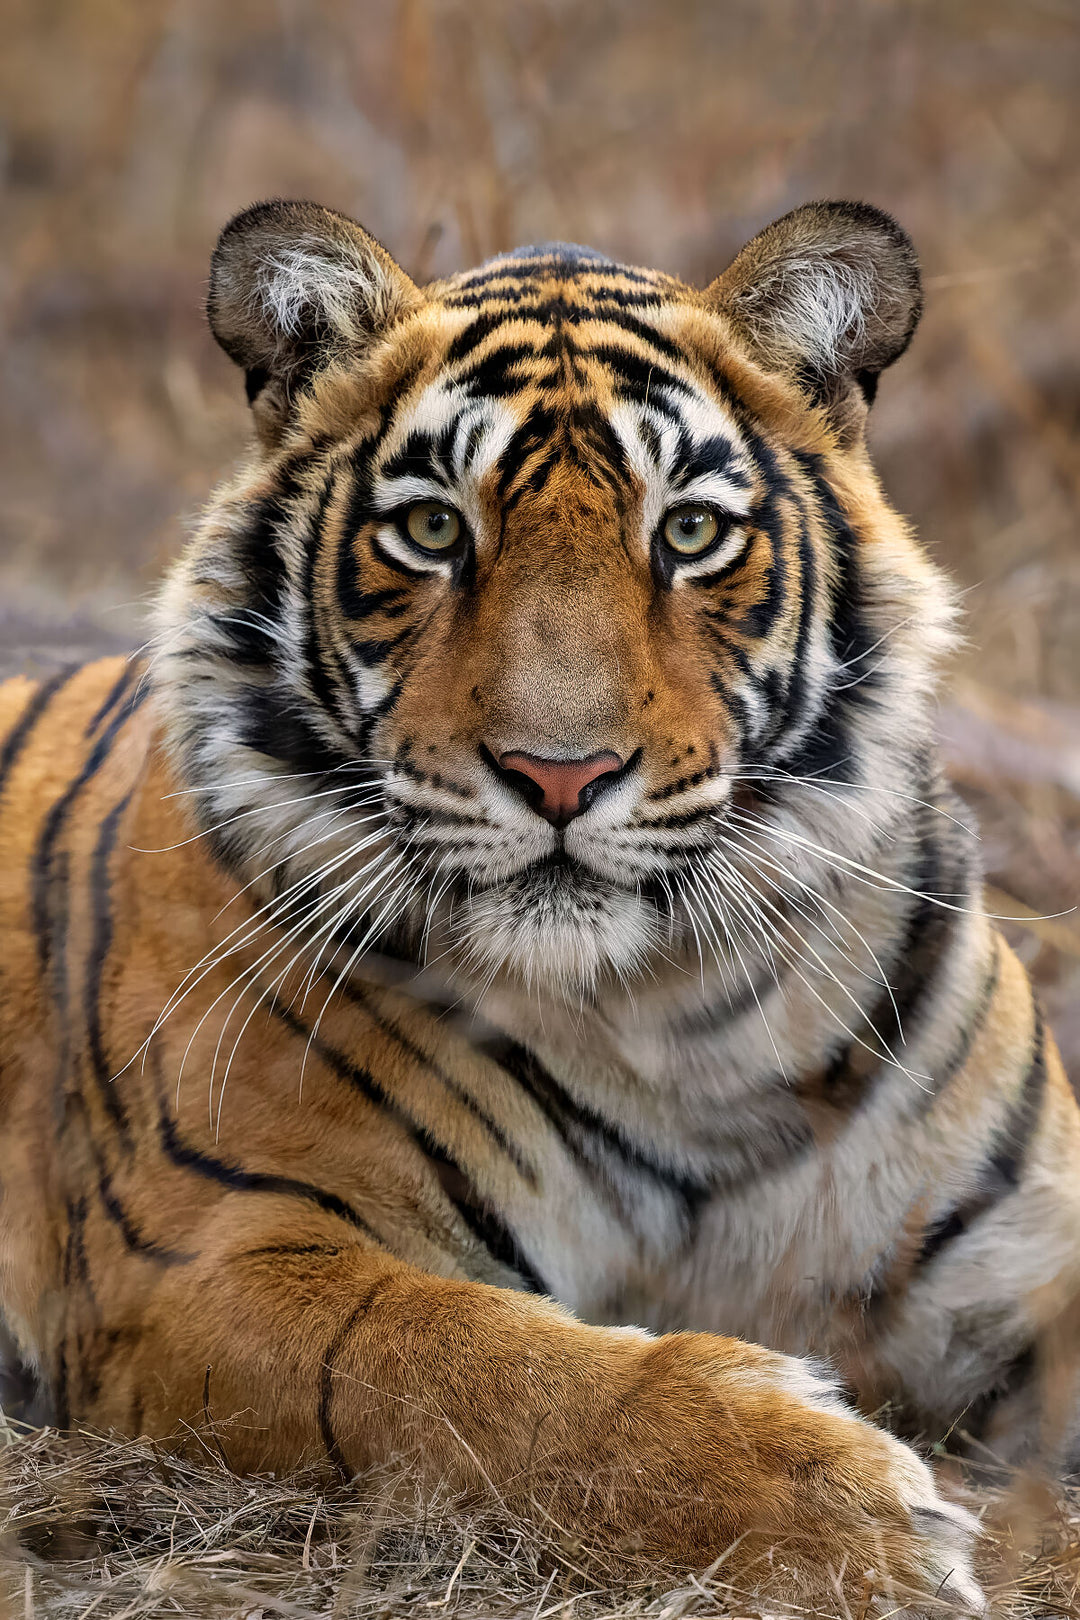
[292, 285]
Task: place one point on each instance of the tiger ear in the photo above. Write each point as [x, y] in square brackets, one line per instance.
[829, 294]
[291, 284]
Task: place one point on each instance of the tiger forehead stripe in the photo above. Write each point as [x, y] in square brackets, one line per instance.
[567, 359]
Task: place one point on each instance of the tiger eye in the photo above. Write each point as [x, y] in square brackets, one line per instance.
[433, 527]
[690, 530]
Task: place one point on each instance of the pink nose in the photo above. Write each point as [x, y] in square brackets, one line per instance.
[567, 786]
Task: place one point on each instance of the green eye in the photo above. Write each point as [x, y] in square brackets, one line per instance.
[690, 530]
[433, 527]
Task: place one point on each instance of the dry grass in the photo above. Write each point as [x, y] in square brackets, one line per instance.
[92, 1526]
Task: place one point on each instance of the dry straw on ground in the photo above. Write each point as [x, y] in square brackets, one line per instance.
[124, 1530]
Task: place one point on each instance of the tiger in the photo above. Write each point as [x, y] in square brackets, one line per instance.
[500, 983]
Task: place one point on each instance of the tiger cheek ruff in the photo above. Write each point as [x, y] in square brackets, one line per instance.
[505, 983]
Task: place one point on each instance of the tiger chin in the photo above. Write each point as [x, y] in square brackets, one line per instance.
[504, 983]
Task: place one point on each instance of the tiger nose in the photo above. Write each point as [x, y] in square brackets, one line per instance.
[559, 789]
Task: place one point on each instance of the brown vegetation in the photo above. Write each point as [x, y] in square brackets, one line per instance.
[665, 132]
[94, 1526]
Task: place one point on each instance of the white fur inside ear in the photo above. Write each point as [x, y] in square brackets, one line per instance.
[314, 282]
[813, 307]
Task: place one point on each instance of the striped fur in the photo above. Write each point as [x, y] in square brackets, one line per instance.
[329, 1065]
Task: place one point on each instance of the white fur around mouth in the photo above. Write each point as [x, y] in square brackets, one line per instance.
[558, 927]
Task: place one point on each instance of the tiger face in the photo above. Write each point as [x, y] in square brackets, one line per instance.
[540, 577]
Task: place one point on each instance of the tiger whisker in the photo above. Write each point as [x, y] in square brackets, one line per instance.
[301, 929]
[872, 877]
[270, 777]
[839, 794]
[329, 816]
[268, 956]
[266, 917]
[314, 969]
[257, 810]
[335, 923]
[760, 858]
[729, 932]
[791, 954]
[404, 884]
[886, 1054]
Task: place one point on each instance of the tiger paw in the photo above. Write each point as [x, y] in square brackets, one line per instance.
[880, 1515]
[744, 1455]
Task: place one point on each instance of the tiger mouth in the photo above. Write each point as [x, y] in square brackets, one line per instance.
[562, 879]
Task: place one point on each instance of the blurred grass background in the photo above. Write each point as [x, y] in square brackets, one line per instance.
[663, 131]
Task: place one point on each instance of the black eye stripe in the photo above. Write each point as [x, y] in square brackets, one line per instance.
[716, 576]
[415, 571]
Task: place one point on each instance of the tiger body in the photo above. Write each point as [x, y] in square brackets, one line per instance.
[335, 1046]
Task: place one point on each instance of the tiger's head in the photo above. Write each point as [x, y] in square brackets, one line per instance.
[537, 580]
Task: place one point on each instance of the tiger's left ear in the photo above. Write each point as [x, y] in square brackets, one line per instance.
[292, 285]
[829, 294]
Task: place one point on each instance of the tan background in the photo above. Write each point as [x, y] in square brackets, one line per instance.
[663, 131]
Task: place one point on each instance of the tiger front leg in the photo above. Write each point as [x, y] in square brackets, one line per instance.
[675, 1449]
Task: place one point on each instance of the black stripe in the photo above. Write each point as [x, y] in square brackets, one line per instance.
[375, 652]
[186, 1157]
[78, 1120]
[112, 697]
[795, 696]
[376, 1093]
[255, 552]
[496, 1237]
[129, 1230]
[329, 1365]
[639, 329]
[326, 690]
[637, 376]
[588, 1137]
[475, 333]
[390, 603]
[63, 1390]
[606, 302]
[1024, 1115]
[491, 377]
[76, 1269]
[100, 945]
[826, 750]
[42, 865]
[972, 1029]
[19, 736]
[915, 967]
[420, 452]
[768, 517]
[284, 735]
[294, 1251]
[1001, 1173]
[484, 1223]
